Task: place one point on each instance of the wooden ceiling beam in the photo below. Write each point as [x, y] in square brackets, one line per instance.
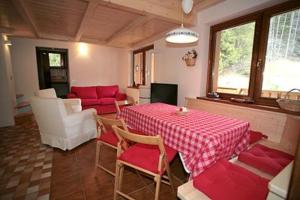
[135, 23]
[205, 4]
[22, 9]
[150, 39]
[144, 7]
[92, 5]
[8, 30]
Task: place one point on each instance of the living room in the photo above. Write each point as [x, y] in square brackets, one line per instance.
[100, 40]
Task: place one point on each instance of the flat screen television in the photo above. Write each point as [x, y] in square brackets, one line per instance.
[164, 93]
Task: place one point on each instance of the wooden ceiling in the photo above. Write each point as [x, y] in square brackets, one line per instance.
[118, 23]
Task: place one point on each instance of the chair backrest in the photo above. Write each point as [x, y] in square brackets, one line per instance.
[49, 114]
[104, 123]
[119, 104]
[46, 93]
[125, 135]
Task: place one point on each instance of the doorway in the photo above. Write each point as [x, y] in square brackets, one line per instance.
[53, 69]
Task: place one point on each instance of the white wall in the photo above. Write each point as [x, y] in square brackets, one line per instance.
[99, 65]
[192, 80]
[8, 96]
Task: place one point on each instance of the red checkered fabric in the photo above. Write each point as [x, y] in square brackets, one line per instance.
[201, 137]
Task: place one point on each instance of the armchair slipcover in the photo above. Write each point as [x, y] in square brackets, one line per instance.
[72, 105]
[62, 129]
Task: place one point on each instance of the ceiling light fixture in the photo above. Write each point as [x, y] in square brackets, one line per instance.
[183, 35]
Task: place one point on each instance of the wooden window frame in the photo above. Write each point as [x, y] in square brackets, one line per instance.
[143, 51]
[262, 19]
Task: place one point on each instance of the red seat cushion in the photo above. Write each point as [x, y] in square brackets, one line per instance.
[107, 91]
[109, 137]
[226, 181]
[85, 92]
[146, 156]
[90, 102]
[107, 101]
[255, 136]
[269, 160]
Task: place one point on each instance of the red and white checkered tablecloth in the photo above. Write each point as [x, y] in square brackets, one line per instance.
[200, 137]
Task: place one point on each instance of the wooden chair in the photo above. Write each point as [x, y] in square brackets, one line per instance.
[106, 136]
[148, 155]
[120, 104]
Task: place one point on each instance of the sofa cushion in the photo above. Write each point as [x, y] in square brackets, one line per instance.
[107, 91]
[225, 180]
[107, 101]
[85, 92]
[269, 160]
[90, 102]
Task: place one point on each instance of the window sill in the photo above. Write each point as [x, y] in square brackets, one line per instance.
[255, 106]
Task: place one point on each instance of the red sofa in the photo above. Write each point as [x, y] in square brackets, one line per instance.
[101, 98]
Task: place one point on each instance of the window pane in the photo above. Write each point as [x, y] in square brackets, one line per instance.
[282, 62]
[138, 73]
[233, 55]
[55, 60]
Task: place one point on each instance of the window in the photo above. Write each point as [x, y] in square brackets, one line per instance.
[257, 56]
[55, 60]
[143, 65]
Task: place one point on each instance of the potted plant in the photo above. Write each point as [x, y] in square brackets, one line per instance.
[190, 58]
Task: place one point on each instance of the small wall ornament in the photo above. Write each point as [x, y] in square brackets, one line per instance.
[190, 58]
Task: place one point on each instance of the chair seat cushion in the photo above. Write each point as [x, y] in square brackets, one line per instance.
[269, 160]
[226, 181]
[146, 156]
[107, 101]
[109, 137]
[255, 136]
[90, 102]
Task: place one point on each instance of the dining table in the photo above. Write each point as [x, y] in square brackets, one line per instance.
[200, 137]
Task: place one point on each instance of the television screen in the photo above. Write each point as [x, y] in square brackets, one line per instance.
[164, 93]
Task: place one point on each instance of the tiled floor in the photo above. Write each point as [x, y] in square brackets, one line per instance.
[75, 170]
[26, 170]
[25, 163]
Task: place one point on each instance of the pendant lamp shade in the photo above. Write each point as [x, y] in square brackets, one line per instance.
[187, 6]
[182, 35]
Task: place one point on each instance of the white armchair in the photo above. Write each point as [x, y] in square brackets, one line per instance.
[62, 129]
[72, 105]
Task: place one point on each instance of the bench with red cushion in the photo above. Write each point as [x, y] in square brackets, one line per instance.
[226, 181]
[268, 160]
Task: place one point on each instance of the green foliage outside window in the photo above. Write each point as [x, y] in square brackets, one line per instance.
[55, 60]
[236, 49]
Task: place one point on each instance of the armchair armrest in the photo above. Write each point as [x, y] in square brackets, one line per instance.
[79, 117]
[121, 96]
[71, 95]
[75, 104]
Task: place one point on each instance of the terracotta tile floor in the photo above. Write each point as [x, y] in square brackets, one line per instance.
[25, 163]
[26, 170]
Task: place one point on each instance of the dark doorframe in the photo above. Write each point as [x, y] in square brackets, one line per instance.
[53, 75]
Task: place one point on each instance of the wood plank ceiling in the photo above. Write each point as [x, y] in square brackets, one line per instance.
[118, 23]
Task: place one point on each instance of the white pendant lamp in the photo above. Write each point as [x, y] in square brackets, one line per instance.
[183, 35]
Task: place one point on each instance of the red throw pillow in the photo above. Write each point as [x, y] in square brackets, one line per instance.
[255, 136]
[226, 181]
[107, 91]
[85, 92]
